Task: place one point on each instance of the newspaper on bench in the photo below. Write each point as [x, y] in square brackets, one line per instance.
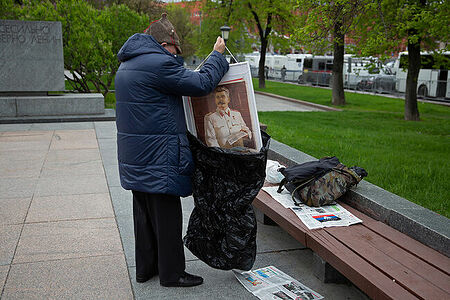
[314, 217]
[270, 283]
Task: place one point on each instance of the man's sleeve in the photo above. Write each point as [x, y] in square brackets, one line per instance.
[183, 82]
[210, 133]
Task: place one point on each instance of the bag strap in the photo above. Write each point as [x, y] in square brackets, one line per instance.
[280, 186]
[301, 186]
[349, 172]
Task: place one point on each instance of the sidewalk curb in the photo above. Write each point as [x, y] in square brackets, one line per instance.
[108, 115]
[323, 107]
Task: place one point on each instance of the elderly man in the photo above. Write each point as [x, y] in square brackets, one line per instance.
[155, 161]
[225, 127]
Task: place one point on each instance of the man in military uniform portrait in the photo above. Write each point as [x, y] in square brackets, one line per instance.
[225, 127]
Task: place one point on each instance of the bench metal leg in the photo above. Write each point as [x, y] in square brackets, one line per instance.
[325, 272]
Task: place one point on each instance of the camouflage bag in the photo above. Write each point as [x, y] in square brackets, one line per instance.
[321, 182]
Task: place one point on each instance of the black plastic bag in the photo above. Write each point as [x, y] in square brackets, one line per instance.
[222, 226]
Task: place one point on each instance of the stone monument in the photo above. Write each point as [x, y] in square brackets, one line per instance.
[31, 66]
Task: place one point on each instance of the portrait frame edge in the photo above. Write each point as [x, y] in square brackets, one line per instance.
[237, 71]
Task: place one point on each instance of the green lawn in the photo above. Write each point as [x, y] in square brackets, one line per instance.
[410, 159]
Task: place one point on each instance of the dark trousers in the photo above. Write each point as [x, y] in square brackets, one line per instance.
[158, 236]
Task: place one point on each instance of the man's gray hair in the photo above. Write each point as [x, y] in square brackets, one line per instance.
[222, 89]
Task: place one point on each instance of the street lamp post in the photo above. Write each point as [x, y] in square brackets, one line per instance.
[225, 32]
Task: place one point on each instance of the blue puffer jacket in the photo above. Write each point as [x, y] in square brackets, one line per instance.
[153, 149]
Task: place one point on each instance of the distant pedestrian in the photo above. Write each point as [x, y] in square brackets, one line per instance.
[266, 71]
[155, 161]
[283, 73]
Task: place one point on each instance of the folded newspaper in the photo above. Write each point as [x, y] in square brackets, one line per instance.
[270, 283]
[314, 217]
[233, 138]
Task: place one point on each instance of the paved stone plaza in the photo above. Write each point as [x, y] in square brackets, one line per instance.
[66, 224]
[66, 227]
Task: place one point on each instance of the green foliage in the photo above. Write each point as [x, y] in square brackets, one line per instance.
[187, 32]
[318, 20]
[87, 52]
[409, 159]
[254, 23]
[118, 22]
[8, 11]
[420, 24]
[393, 22]
[216, 14]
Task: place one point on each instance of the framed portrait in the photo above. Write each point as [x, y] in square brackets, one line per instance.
[227, 117]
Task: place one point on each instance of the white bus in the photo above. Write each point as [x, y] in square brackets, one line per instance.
[433, 80]
[292, 62]
[317, 70]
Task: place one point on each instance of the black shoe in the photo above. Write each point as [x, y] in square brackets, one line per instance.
[144, 278]
[185, 280]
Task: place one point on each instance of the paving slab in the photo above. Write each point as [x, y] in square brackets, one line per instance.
[68, 239]
[126, 230]
[73, 156]
[9, 235]
[3, 274]
[71, 185]
[17, 187]
[13, 210]
[267, 103]
[23, 155]
[109, 156]
[15, 127]
[61, 126]
[20, 168]
[21, 145]
[112, 175]
[26, 136]
[105, 130]
[74, 139]
[220, 284]
[70, 207]
[77, 168]
[102, 277]
[105, 144]
[122, 201]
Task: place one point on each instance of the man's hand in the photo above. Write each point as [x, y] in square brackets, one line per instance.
[219, 45]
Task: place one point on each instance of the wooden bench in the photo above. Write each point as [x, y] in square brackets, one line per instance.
[381, 261]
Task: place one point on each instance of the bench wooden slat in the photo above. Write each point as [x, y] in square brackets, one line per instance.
[429, 255]
[368, 278]
[284, 217]
[406, 269]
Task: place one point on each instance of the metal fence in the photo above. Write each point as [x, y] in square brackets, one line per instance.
[377, 83]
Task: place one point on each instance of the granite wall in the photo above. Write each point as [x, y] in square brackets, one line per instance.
[31, 56]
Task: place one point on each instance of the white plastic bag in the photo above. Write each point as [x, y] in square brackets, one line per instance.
[272, 173]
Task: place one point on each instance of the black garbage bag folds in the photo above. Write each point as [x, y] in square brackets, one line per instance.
[222, 227]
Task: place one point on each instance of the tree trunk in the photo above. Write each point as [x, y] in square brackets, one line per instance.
[262, 63]
[337, 83]
[414, 63]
